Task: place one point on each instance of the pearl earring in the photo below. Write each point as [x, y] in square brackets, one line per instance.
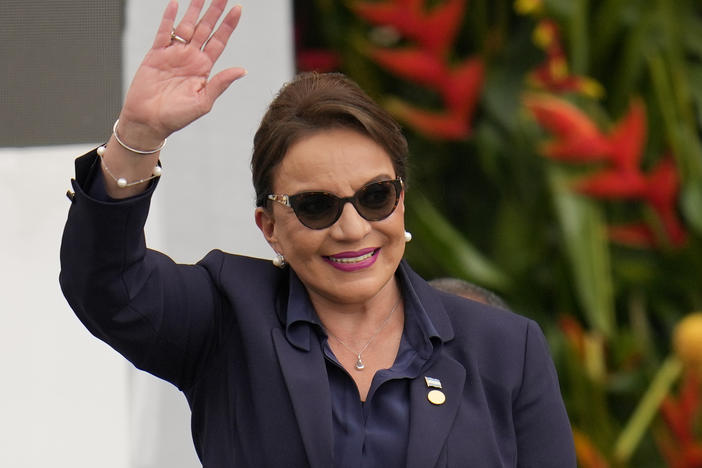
[279, 260]
[408, 236]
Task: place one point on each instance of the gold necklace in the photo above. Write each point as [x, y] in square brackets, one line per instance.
[359, 361]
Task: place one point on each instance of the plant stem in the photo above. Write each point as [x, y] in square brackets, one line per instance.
[644, 413]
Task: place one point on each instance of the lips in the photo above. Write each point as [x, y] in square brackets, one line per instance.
[352, 261]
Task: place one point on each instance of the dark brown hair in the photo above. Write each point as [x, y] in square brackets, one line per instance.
[312, 102]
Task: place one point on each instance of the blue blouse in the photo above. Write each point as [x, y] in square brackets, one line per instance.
[374, 432]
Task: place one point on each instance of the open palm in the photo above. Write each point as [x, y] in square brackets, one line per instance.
[172, 86]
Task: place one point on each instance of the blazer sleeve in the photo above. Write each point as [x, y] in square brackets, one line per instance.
[544, 435]
[159, 315]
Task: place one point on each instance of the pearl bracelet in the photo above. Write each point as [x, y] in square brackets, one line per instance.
[121, 181]
[134, 150]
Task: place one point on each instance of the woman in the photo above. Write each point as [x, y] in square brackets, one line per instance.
[337, 354]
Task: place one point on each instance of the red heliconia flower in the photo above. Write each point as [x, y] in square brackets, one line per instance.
[628, 137]
[434, 29]
[413, 64]
[613, 184]
[553, 75]
[632, 235]
[661, 193]
[320, 60]
[588, 455]
[461, 87]
[426, 63]
[659, 189]
[577, 138]
[681, 449]
[624, 179]
[313, 59]
[574, 333]
[438, 125]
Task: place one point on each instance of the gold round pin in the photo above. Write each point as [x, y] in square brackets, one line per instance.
[436, 397]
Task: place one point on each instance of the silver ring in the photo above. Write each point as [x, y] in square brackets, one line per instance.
[177, 38]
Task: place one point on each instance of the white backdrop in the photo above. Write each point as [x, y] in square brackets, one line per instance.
[66, 399]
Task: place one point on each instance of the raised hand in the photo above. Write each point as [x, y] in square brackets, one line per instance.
[172, 86]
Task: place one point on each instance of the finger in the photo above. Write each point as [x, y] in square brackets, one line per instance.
[186, 27]
[163, 35]
[216, 44]
[206, 25]
[221, 81]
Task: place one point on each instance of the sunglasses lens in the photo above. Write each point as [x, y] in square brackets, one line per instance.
[378, 200]
[319, 210]
[315, 210]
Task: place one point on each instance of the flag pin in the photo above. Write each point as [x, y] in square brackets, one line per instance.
[432, 382]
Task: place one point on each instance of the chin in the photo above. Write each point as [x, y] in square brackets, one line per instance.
[350, 288]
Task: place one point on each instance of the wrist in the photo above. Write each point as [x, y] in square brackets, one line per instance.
[134, 135]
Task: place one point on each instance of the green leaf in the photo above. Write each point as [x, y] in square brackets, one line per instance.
[692, 204]
[695, 76]
[586, 245]
[449, 247]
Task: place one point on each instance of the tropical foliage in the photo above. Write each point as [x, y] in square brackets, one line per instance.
[557, 160]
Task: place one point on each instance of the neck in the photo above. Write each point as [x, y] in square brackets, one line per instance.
[357, 321]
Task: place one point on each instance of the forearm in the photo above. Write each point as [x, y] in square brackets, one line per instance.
[101, 241]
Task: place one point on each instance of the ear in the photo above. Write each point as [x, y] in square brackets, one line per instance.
[266, 223]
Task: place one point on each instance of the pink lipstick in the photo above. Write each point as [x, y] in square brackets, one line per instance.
[353, 261]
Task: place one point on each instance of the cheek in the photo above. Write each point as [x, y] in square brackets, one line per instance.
[394, 231]
[297, 241]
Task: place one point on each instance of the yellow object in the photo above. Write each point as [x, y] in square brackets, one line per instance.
[525, 7]
[591, 88]
[544, 34]
[687, 340]
[437, 397]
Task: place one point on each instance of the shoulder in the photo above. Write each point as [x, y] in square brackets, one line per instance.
[466, 319]
[240, 272]
[473, 318]
[495, 341]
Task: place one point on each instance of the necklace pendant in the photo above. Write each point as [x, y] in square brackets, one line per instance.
[359, 364]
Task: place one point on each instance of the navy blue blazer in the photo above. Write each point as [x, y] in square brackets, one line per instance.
[216, 331]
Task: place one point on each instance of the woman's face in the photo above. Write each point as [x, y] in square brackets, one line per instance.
[339, 161]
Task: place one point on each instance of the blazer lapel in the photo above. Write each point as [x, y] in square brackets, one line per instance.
[308, 385]
[430, 423]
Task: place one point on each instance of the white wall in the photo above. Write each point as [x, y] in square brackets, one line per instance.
[63, 397]
[66, 399]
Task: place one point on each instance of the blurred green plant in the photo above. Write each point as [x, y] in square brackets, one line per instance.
[556, 159]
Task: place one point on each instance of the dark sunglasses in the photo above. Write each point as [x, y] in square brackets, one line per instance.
[319, 210]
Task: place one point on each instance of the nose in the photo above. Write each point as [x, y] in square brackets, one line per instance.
[350, 225]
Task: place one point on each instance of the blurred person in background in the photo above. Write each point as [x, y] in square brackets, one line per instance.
[469, 291]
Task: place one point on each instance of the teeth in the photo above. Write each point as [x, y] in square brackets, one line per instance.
[351, 259]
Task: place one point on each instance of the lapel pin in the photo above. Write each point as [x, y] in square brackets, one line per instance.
[432, 382]
[435, 396]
